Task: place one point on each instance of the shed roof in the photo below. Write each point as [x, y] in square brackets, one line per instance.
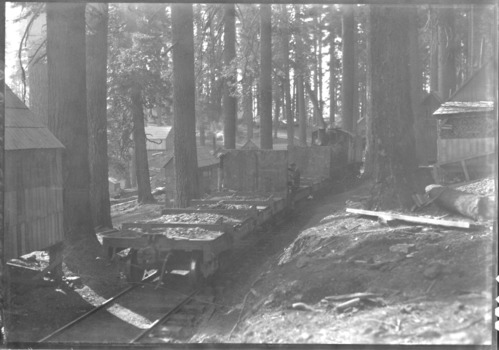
[204, 154]
[23, 129]
[157, 132]
[460, 108]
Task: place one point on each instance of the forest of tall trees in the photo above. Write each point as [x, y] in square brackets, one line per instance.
[244, 70]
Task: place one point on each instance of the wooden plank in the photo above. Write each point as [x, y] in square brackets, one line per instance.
[415, 219]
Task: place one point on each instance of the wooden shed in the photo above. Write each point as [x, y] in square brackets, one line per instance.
[33, 182]
[208, 165]
[467, 125]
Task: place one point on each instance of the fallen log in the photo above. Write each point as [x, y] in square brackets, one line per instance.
[464, 203]
[416, 219]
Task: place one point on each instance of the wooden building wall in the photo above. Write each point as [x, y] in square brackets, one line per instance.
[450, 150]
[33, 200]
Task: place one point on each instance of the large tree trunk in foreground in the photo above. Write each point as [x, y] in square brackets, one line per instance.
[140, 154]
[266, 77]
[67, 113]
[97, 16]
[392, 124]
[184, 116]
[229, 102]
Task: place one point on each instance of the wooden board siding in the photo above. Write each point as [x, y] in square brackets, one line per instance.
[450, 150]
[33, 200]
[260, 171]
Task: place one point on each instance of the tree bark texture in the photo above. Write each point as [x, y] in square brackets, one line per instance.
[97, 19]
[416, 75]
[140, 153]
[229, 102]
[446, 52]
[433, 50]
[67, 110]
[332, 64]
[348, 79]
[184, 140]
[369, 155]
[4, 269]
[266, 76]
[392, 124]
[290, 129]
[248, 106]
[300, 91]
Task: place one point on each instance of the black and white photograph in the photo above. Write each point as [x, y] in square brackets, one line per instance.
[249, 174]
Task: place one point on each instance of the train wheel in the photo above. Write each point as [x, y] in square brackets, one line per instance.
[196, 277]
[135, 272]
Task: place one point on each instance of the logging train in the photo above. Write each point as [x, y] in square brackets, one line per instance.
[254, 193]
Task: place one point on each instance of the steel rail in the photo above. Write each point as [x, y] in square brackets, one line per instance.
[95, 309]
[164, 317]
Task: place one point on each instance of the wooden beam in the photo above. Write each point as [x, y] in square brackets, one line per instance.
[408, 218]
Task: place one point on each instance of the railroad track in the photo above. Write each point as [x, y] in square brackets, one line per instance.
[143, 313]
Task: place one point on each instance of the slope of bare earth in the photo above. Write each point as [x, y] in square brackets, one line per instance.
[419, 284]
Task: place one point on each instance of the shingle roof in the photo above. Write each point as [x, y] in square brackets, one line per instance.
[23, 130]
[458, 107]
[204, 154]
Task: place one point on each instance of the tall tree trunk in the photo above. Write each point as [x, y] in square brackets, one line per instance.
[300, 92]
[348, 78]
[248, 106]
[266, 76]
[184, 140]
[332, 65]
[229, 102]
[369, 153]
[97, 18]
[4, 269]
[277, 108]
[140, 154]
[394, 148]
[416, 84]
[290, 129]
[446, 52]
[433, 49]
[67, 114]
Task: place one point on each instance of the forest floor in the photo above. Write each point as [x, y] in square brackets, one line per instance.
[422, 284]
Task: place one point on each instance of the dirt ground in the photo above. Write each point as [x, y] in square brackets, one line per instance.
[421, 284]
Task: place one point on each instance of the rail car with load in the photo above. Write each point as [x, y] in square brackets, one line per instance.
[254, 194]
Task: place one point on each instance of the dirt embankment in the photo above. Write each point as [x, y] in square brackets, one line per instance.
[418, 284]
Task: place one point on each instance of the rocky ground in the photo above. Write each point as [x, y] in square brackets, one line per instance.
[321, 276]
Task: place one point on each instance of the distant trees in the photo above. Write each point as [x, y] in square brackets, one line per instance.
[67, 113]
